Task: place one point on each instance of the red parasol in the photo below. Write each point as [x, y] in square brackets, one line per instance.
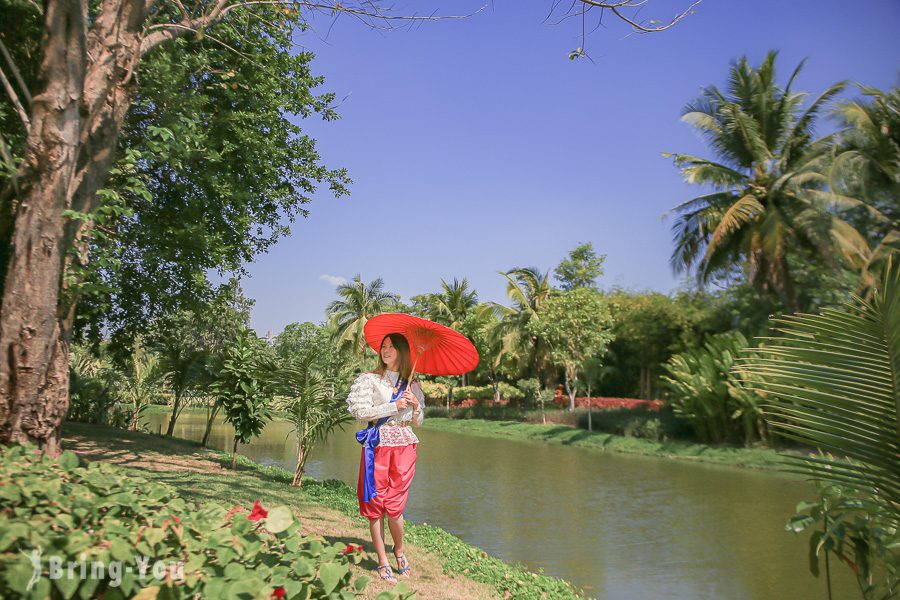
[435, 349]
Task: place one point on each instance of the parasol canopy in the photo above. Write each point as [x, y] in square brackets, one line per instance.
[434, 348]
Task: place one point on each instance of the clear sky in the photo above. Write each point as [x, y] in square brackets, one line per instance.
[477, 146]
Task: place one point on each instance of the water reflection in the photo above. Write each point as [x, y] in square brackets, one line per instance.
[622, 527]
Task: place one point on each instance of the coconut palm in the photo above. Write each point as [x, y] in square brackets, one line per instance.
[769, 195]
[867, 167]
[527, 288]
[455, 302]
[360, 302]
[833, 383]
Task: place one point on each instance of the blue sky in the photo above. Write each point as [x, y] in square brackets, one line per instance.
[476, 145]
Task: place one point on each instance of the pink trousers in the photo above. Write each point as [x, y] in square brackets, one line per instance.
[395, 467]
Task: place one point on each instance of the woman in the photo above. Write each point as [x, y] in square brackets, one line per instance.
[388, 463]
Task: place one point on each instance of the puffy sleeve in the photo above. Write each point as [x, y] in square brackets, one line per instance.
[361, 401]
[418, 415]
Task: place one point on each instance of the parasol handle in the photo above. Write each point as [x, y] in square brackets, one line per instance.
[412, 374]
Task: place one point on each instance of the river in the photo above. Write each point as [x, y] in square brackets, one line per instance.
[621, 527]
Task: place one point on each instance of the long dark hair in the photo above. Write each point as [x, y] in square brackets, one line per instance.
[401, 345]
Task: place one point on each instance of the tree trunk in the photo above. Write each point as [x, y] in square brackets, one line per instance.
[590, 407]
[234, 454]
[176, 401]
[210, 417]
[75, 122]
[298, 472]
[571, 388]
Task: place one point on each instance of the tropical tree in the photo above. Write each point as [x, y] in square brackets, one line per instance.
[867, 167]
[581, 268]
[360, 302]
[527, 288]
[142, 383]
[243, 389]
[454, 303]
[93, 381]
[310, 402]
[577, 325]
[770, 198]
[832, 382]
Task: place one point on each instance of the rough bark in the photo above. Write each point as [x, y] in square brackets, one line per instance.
[75, 122]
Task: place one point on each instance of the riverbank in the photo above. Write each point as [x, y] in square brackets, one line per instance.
[444, 565]
[561, 434]
[755, 458]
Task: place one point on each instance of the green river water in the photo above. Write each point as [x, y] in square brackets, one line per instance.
[621, 527]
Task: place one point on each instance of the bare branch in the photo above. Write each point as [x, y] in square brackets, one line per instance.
[366, 12]
[617, 8]
[15, 100]
[16, 73]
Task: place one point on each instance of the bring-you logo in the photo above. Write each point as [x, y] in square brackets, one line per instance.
[56, 567]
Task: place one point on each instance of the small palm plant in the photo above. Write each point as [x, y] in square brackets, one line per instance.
[309, 401]
[832, 382]
[142, 383]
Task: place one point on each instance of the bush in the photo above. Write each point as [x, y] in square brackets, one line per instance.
[707, 392]
[102, 515]
[644, 423]
[434, 391]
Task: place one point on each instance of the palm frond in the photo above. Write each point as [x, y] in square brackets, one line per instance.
[833, 383]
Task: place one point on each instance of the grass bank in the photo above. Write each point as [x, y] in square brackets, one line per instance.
[445, 566]
[757, 458]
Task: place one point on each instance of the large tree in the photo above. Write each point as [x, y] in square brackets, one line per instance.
[179, 200]
[771, 198]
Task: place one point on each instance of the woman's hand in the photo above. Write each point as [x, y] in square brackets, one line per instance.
[406, 400]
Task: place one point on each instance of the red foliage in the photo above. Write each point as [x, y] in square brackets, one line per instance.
[608, 403]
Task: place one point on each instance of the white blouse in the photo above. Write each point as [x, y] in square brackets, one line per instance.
[370, 400]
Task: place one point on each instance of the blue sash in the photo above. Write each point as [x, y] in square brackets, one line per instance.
[369, 438]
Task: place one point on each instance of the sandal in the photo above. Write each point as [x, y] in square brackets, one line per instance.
[387, 574]
[403, 567]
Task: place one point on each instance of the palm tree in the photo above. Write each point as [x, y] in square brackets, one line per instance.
[455, 302]
[185, 369]
[310, 402]
[360, 303]
[867, 167]
[770, 197]
[143, 380]
[527, 288]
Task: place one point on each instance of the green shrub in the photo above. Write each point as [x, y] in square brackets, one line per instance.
[642, 423]
[103, 515]
[434, 390]
[476, 392]
[707, 392]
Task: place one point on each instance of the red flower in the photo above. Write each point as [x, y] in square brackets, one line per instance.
[279, 593]
[176, 519]
[258, 512]
[350, 548]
